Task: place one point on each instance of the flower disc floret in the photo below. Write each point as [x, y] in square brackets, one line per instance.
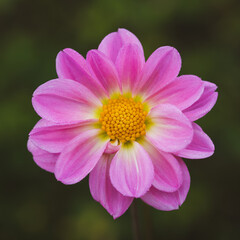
[123, 119]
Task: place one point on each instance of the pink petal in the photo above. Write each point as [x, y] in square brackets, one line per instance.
[63, 64]
[170, 130]
[42, 158]
[182, 92]
[161, 68]
[204, 104]
[64, 101]
[103, 191]
[169, 201]
[112, 147]
[200, 147]
[168, 173]
[129, 64]
[113, 42]
[131, 170]
[43, 123]
[53, 138]
[80, 156]
[71, 65]
[104, 70]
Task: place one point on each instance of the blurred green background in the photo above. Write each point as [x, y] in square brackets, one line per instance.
[33, 205]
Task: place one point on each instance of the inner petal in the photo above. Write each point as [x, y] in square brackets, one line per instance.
[123, 119]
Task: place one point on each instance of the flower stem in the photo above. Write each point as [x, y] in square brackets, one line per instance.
[149, 230]
[135, 223]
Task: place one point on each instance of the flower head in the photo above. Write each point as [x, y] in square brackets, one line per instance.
[125, 121]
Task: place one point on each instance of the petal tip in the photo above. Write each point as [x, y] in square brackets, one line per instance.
[116, 216]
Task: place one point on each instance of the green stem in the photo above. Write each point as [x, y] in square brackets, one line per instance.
[135, 223]
[149, 231]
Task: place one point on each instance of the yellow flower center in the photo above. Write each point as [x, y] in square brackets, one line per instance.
[123, 119]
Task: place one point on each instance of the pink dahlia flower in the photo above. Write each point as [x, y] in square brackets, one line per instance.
[124, 121]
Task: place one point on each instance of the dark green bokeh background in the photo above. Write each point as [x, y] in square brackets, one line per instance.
[206, 33]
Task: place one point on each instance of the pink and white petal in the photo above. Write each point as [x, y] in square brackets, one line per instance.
[183, 190]
[131, 170]
[129, 38]
[204, 104]
[113, 42]
[129, 64]
[54, 138]
[71, 65]
[169, 201]
[161, 68]
[170, 130]
[200, 147]
[64, 67]
[104, 70]
[103, 191]
[182, 92]
[80, 156]
[111, 45]
[42, 158]
[42, 123]
[112, 147]
[167, 171]
[64, 101]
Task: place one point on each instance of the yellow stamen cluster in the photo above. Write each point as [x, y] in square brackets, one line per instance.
[123, 119]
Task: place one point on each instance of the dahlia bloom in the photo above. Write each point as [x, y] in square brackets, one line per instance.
[124, 121]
